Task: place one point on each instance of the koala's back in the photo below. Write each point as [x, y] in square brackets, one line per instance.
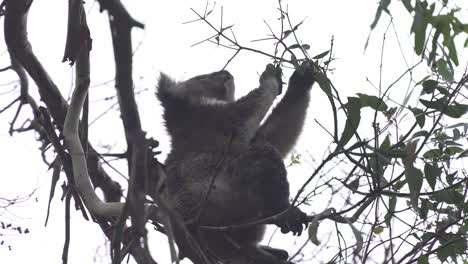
[240, 186]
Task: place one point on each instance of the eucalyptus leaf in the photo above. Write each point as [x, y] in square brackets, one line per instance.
[454, 110]
[424, 210]
[372, 101]
[414, 177]
[464, 154]
[391, 209]
[444, 70]
[431, 173]
[447, 196]
[450, 151]
[423, 260]
[422, 133]
[419, 26]
[433, 154]
[429, 86]
[321, 55]
[378, 230]
[353, 108]
[407, 4]
[419, 115]
[354, 185]
[383, 6]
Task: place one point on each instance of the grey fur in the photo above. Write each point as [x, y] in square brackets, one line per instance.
[224, 168]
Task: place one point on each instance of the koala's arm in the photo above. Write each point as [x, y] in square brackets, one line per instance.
[283, 126]
[252, 108]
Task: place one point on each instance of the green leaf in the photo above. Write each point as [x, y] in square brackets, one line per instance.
[423, 260]
[390, 112]
[383, 6]
[455, 110]
[438, 104]
[432, 173]
[399, 184]
[419, 115]
[450, 178]
[445, 24]
[428, 235]
[429, 86]
[295, 159]
[385, 144]
[297, 26]
[453, 55]
[422, 133]
[410, 150]
[326, 88]
[456, 134]
[378, 230]
[452, 143]
[423, 79]
[433, 154]
[435, 38]
[297, 46]
[294, 46]
[450, 151]
[408, 6]
[443, 70]
[462, 124]
[414, 177]
[353, 108]
[463, 154]
[443, 90]
[419, 26]
[424, 210]
[457, 247]
[415, 235]
[447, 196]
[354, 185]
[391, 209]
[373, 102]
[321, 55]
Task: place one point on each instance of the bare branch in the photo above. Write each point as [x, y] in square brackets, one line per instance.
[72, 141]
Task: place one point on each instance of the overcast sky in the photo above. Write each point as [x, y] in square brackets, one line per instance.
[165, 45]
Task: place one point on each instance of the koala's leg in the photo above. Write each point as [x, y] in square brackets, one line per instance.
[283, 126]
[240, 247]
[257, 255]
[279, 253]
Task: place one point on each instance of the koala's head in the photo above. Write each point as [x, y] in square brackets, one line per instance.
[209, 88]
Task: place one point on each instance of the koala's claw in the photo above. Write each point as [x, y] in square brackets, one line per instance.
[273, 72]
[304, 76]
[293, 221]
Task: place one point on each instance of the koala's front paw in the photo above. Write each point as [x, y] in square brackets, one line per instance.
[272, 72]
[304, 77]
[293, 221]
[279, 253]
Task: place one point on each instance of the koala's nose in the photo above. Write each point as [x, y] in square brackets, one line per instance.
[225, 75]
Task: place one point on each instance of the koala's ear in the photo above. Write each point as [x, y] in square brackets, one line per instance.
[165, 82]
[167, 91]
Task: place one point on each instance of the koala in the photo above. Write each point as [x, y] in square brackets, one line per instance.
[226, 167]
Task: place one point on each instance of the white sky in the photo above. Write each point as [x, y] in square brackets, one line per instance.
[165, 46]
